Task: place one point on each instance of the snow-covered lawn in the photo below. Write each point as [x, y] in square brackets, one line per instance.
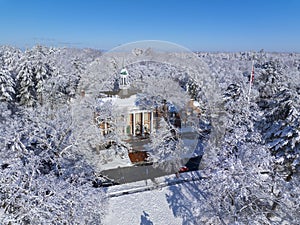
[111, 160]
[130, 209]
[141, 206]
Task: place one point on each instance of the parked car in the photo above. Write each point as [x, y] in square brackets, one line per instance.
[183, 169]
[102, 181]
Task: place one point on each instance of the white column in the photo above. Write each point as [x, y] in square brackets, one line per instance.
[105, 127]
[143, 122]
[125, 124]
[151, 122]
[133, 124]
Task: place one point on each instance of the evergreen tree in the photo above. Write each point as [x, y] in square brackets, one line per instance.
[26, 90]
[7, 85]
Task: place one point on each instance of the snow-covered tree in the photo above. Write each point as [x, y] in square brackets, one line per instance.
[243, 188]
[280, 122]
[44, 178]
[239, 184]
[95, 127]
[166, 148]
[242, 183]
[7, 85]
[31, 75]
[26, 94]
[9, 58]
[30, 197]
[160, 90]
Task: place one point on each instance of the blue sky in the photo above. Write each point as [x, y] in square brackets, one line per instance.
[204, 25]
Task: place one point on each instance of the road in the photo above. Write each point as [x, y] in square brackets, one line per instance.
[136, 173]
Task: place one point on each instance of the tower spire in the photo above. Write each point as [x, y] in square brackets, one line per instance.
[123, 81]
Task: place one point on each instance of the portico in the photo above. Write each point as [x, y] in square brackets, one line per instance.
[140, 122]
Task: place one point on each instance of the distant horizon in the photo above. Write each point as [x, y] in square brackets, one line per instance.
[107, 50]
[82, 46]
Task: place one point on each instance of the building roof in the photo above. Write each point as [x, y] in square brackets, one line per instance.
[130, 103]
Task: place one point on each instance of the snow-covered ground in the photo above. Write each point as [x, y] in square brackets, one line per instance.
[118, 161]
[131, 209]
[134, 203]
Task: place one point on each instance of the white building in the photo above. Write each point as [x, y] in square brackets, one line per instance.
[135, 120]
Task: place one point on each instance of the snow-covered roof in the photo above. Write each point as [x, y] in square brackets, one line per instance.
[124, 72]
[129, 104]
